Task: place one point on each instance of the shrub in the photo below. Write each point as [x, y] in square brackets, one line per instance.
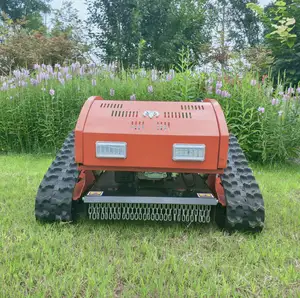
[38, 110]
[22, 48]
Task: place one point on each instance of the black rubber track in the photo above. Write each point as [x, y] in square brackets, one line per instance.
[244, 203]
[54, 197]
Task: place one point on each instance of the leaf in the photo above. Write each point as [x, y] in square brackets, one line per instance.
[280, 3]
[290, 42]
[256, 8]
[290, 21]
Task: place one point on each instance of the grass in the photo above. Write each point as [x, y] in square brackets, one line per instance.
[145, 260]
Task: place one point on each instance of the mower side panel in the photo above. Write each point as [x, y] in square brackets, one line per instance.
[224, 133]
[80, 126]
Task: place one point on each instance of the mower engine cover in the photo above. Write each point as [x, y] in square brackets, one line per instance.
[152, 136]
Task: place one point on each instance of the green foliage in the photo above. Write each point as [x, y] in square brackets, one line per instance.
[18, 9]
[27, 42]
[32, 120]
[282, 31]
[117, 28]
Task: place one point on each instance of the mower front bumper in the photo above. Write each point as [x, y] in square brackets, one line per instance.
[178, 209]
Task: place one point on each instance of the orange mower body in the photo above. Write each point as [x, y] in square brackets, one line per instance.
[143, 160]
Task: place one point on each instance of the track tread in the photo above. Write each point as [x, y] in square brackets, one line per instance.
[244, 203]
[54, 197]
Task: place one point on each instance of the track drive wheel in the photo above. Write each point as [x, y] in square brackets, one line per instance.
[244, 209]
[54, 197]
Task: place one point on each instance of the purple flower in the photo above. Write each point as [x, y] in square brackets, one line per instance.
[261, 110]
[253, 82]
[17, 73]
[133, 76]
[209, 89]
[112, 92]
[275, 101]
[153, 77]
[94, 82]
[225, 94]
[40, 76]
[68, 77]
[23, 84]
[51, 92]
[298, 90]
[50, 68]
[12, 86]
[57, 66]
[82, 71]
[285, 97]
[4, 86]
[210, 81]
[92, 65]
[280, 93]
[74, 66]
[143, 73]
[290, 90]
[219, 85]
[36, 66]
[172, 73]
[168, 77]
[62, 81]
[150, 89]
[218, 92]
[25, 73]
[132, 97]
[65, 69]
[43, 65]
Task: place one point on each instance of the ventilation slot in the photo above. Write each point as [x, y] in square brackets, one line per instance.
[163, 125]
[178, 115]
[111, 105]
[137, 125]
[124, 114]
[192, 107]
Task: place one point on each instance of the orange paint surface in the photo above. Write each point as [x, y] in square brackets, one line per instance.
[150, 141]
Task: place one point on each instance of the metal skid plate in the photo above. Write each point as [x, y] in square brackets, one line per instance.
[179, 209]
[202, 199]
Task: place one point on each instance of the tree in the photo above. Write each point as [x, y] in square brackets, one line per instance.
[246, 28]
[66, 22]
[285, 47]
[282, 35]
[150, 31]
[241, 24]
[18, 9]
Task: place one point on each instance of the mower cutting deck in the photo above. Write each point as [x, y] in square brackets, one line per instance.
[156, 161]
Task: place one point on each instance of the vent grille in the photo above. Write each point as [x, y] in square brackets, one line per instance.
[137, 125]
[184, 115]
[192, 107]
[111, 105]
[163, 125]
[126, 114]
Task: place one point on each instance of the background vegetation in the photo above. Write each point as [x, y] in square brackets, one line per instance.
[235, 51]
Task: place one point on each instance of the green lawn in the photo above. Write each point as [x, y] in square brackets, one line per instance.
[145, 260]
